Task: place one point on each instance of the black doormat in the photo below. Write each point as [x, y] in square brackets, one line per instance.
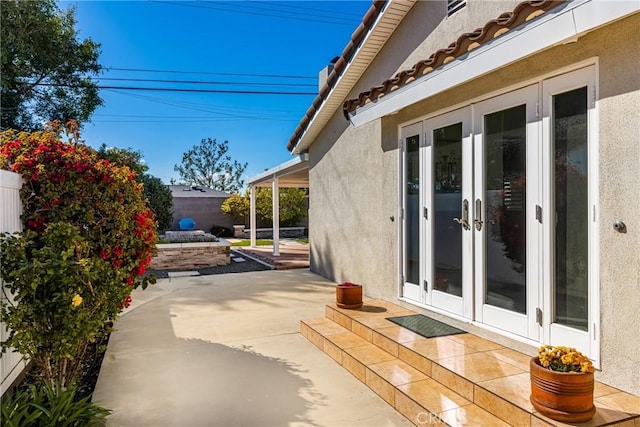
[425, 326]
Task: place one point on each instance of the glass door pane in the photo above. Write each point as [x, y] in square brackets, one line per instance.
[412, 210]
[505, 158]
[571, 197]
[447, 205]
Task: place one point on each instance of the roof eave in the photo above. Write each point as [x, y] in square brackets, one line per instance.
[560, 23]
[385, 24]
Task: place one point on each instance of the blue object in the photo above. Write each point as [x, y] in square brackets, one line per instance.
[187, 224]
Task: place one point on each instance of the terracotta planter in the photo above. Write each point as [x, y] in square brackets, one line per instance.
[562, 396]
[349, 296]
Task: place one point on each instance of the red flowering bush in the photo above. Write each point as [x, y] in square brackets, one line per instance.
[348, 285]
[87, 241]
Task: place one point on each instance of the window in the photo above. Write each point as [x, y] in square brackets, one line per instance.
[455, 5]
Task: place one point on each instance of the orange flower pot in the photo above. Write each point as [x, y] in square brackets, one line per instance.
[349, 296]
[562, 396]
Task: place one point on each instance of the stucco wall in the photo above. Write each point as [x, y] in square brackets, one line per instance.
[619, 200]
[204, 211]
[354, 181]
[354, 171]
[350, 231]
[619, 162]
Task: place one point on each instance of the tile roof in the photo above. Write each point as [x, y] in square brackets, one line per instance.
[522, 13]
[338, 67]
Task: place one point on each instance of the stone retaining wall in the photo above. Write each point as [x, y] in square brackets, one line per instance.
[181, 256]
[267, 233]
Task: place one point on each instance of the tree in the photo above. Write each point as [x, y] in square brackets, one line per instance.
[159, 198]
[157, 194]
[292, 204]
[237, 207]
[45, 70]
[208, 164]
[124, 157]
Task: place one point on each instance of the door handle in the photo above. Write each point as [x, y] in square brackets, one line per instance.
[465, 215]
[478, 213]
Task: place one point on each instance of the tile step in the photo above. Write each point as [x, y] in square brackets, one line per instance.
[413, 393]
[457, 380]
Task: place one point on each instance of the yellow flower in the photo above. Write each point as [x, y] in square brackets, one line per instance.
[76, 301]
[564, 359]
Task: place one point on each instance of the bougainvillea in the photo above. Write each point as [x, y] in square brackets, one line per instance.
[87, 241]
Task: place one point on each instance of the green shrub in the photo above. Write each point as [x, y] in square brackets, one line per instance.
[237, 207]
[50, 406]
[220, 231]
[87, 241]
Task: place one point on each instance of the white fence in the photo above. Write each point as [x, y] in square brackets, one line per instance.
[11, 364]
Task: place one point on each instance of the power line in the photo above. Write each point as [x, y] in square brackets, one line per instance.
[132, 116]
[356, 15]
[283, 76]
[195, 106]
[167, 89]
[205, 82]
[296, 14]
[256, 13]
[212, 120]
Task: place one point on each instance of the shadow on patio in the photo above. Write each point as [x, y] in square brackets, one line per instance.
[224, 351]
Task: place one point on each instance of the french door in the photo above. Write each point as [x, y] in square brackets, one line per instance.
[506, 231]
[412, 171]
[499, 212]
[448, 193]
[570, 182]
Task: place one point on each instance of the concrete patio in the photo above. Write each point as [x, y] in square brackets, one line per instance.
[225, 350]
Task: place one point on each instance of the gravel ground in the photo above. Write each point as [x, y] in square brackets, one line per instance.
[234, 267]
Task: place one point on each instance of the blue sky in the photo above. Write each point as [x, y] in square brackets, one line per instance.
[227, 41]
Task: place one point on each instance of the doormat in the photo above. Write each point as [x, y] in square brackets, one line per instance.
[425, 326]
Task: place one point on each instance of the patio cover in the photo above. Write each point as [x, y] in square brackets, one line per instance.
[293, 174]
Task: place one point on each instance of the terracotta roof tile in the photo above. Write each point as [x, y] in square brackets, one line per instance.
[339, 66]
[522, 13]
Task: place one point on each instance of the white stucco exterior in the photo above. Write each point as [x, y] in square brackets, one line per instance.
[354, 171]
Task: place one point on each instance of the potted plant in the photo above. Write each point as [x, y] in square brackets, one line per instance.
[349, 295]
[562, 384]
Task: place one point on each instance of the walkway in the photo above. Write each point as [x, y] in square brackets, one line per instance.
[292, 255]
[225, 350]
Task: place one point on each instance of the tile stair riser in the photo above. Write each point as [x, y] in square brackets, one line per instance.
[513, 415]
[385, 343]
[449, 379]
[496, 405]
[342, 320]
[332, 350]
[483, 400]
[403, 403]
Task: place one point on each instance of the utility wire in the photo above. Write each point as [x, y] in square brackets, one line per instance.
[256, 13]
[295, 14]
[132, 116]
[282, 4]
[195, 106]
[283, 76]
[204, 82]
[168, 89]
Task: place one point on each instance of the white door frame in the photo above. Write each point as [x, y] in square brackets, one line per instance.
[409, 290]
[588, 341]
[520, 324]
[537, 93]
[461, 306]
